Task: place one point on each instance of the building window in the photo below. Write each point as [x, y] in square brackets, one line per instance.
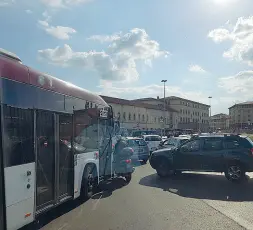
[134, 117]
[129, 117]
[139, 117]
[181, 119]
[143, 117]
[118, 115]
[124, 116]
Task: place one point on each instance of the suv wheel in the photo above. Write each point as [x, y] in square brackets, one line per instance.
[235, 172]
[163, 168]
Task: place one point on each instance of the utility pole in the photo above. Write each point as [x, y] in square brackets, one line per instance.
[164, 105]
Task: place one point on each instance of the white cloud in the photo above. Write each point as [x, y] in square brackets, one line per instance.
[241, 36]
[63, 3]
[239, 84]
[28, 11]
[46, 15]
[153, 90]
[6, 2]
[118, 63]
[219, 35]
[60, 32]
[105, 38]
[196, 68]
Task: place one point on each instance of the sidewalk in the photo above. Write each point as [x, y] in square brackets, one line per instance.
[240, 207]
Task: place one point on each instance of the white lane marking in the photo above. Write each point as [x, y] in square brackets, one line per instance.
[96, 203]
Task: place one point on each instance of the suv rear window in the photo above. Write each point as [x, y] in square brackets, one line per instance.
[212, 144]
[136, 142]
[238, 143]
[140, 142]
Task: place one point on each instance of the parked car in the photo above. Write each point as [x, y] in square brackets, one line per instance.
[231, 154]
[164, 138]
[140, 147]
[173, 142]
[152, 141]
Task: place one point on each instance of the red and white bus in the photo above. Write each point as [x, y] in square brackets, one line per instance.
[54, 143]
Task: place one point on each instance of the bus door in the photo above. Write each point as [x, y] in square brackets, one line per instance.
[66, 171]
[45, 162]
[105, 148]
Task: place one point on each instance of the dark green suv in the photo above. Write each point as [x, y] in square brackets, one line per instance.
[231, 154]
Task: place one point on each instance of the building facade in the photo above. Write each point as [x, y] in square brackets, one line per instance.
[241, 115]
[191, 114]
[219, 122]
[136, 115]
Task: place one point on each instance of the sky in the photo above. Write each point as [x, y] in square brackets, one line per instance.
[125, 48]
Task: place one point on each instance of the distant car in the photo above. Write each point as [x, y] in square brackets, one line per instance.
[152, 141]
[141, 150]
[185, 135]
[164, 138]
[231, 154]
[173, 142]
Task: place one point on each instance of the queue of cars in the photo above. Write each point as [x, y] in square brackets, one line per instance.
[144, 145]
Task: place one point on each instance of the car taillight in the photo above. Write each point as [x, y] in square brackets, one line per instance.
[251, 151]
[96, 155]
[128, 161]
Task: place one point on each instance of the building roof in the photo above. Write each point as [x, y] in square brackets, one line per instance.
[243, 103]
[220, 115]
[174, 97]
[137, 103]
[146, 99]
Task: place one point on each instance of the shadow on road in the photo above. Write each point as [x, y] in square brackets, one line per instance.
[107, 187]
[49, 216]
[202, 186]
[106, 190]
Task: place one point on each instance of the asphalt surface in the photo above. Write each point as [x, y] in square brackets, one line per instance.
[189, 201]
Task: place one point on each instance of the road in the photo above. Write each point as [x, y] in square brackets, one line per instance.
[189, 201]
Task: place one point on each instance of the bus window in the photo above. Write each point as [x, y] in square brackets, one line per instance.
[18, 136]
[86, 129]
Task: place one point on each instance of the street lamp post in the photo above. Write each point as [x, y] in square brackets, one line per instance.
[210, 97]
[164, 81]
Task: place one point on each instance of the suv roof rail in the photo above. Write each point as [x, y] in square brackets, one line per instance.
[9, 54]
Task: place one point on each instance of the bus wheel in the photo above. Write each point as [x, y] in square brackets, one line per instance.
[89, 181]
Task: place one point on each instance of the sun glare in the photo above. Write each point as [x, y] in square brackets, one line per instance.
[224, 2]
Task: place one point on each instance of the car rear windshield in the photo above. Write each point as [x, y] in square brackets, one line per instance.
[183, 141]
[136, 142]
[153, 138]
[140, 142]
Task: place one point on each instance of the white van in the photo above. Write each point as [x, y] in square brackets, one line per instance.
[152, 141]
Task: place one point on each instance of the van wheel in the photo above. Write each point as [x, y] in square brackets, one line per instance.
[163, 168]
[89, 181]
[235, 172]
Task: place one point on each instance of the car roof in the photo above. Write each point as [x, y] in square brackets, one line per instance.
[151, 135]
[206, 135]
[133, 138]
[180, 138]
